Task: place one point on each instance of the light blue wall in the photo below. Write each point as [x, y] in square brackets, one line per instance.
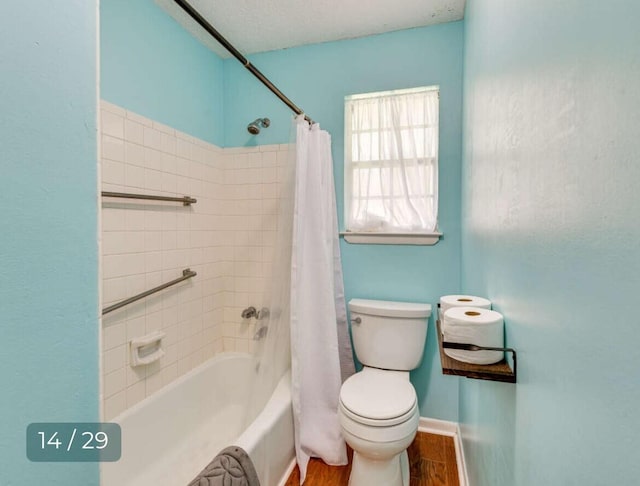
[48, 230]
[550, 218]
[153, 66]
[317, 78]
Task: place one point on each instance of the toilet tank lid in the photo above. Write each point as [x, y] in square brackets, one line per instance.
[387, 308]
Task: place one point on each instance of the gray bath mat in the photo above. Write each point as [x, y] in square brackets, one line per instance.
[232, 467]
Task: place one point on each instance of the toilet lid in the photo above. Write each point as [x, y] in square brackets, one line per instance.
[378, 395]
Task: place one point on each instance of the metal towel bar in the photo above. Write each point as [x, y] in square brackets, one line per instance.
[187, 273]
[186, 200]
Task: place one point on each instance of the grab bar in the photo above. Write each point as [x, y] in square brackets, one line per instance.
[187, 273]
[186, 200]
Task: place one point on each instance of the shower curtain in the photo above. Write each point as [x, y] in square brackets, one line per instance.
[321, 355]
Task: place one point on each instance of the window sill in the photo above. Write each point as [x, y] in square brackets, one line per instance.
[369, 238]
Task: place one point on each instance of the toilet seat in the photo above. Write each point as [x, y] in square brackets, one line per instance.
[375, 422]
[378, 398]
[381, 431]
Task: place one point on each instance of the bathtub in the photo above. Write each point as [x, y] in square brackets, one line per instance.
[169, 437]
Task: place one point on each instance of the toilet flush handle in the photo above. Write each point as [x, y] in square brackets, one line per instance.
[357, 320]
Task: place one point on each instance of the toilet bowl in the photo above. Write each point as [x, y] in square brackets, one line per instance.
[378, 407]
[379, 417]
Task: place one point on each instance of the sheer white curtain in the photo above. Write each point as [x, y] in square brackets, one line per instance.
[272, 349]
[391, 161]
[320, 347]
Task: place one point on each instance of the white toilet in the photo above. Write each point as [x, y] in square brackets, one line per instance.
[378, 406]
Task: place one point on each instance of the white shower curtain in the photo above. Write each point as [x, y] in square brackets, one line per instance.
[320, 348]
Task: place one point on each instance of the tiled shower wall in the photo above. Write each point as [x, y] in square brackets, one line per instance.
[227, 237]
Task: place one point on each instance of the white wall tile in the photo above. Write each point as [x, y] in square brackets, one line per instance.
[152, 138]
[135, 285]
[133, 153]
[169, 240]
[169, 183]
[115, 405]
[136, 393]
[135, 328]
[122, 265]
[113, 359]
[152, 241]
[152, 261]
[153, 221]
[153, 180]
[105, 105]
[168, 143]
[153, 158]
[134, 176]
[135, 241]
[113, 242]
[134, 219]
[112, 124]
[112, 148]
[153, 383]
[112, 172]
[153, 320]
[169, 221]
[183, 149]
[164, 128]
[226, 237]
[114, 382]
[168, 163]
[133, 131]
[139, 119]
[269, 148]
[114, 336]
[112, 218]
[170, 373]
[135, 375]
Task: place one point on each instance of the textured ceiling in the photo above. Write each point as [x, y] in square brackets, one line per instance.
[265, 25]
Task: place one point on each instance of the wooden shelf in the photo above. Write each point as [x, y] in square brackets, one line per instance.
[500, 371]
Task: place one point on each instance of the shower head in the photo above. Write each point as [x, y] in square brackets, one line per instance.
[255, 125]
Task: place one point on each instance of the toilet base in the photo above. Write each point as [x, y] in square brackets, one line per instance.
[389, 472]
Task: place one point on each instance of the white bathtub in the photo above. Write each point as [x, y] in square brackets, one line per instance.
[168, 438]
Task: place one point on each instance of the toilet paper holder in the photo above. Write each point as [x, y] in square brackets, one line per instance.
[474, 347]
[500, 371]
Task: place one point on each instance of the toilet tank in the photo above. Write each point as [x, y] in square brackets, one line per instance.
[389, 335]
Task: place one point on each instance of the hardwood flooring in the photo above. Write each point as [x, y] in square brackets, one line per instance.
[432, 460]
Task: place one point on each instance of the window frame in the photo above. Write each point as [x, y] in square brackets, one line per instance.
[382, 237]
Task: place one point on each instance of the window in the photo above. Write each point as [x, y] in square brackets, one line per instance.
[391, 162]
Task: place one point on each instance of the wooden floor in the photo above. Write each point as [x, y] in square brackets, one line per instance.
[432, 460]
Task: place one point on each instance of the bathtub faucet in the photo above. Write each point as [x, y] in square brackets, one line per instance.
[249, 312]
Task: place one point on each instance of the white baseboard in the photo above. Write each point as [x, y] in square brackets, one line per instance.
[462, 464]
[450, 429]
[432, 426]
[440, 427]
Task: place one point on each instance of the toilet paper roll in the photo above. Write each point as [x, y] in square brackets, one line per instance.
[449, 301]
[473, 325]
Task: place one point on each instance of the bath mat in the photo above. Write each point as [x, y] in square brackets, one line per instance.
[232, 467]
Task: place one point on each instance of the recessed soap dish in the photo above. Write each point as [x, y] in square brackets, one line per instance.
[146, 349]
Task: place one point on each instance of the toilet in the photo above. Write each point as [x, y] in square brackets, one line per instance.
[378, 407]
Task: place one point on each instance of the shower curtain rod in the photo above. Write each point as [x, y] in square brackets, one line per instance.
[195, 15]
